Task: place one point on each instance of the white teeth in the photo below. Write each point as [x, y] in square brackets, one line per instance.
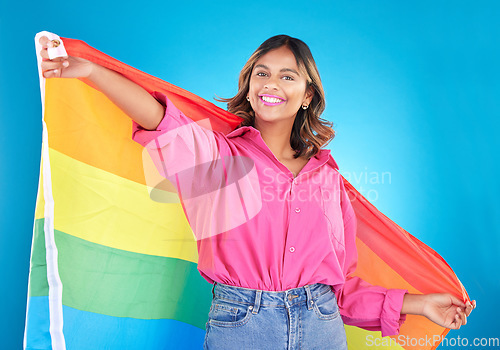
[271, 99]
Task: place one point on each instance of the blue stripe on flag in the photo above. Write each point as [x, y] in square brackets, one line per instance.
[87, 330]
[37, 326]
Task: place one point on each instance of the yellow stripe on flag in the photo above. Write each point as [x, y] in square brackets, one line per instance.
[40, 202]
[116, 212]
[360, 339]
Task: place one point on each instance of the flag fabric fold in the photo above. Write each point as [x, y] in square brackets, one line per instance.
[112, 268]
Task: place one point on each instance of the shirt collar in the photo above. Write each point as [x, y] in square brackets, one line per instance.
[242, 130]
[323, 156]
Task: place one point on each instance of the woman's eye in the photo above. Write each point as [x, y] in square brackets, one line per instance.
[261, 74]
[287, 77]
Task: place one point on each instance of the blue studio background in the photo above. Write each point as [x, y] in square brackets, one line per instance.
[412, 87]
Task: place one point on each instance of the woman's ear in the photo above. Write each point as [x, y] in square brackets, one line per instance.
[308, 95]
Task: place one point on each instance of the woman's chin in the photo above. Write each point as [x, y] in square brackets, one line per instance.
[271, 118]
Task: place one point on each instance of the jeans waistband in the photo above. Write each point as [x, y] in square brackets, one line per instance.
[259, 298]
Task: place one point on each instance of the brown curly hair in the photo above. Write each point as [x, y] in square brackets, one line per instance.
[309, 131]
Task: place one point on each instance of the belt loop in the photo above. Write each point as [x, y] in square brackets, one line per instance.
[309, 297]
[213, 287]
[258, 296]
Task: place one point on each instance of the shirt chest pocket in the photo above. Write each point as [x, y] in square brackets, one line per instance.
[330, 202]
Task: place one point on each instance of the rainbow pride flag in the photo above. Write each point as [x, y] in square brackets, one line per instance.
[107, 273]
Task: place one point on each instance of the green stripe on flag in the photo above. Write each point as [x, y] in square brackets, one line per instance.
[38, 285]
[119, 283]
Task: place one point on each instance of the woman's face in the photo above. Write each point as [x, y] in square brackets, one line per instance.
[277, 89]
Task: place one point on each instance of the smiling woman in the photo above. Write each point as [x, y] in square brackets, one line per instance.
[277, 90]
[275, 223]
[282, 72]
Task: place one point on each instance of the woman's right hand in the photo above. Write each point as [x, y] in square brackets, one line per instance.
[130, 97]
[63, 67]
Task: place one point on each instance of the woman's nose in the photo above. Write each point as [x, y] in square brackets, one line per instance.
[271, 84]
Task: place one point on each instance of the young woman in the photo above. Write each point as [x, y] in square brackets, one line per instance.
[280, 262]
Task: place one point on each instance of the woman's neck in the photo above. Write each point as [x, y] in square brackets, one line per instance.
[277, 138]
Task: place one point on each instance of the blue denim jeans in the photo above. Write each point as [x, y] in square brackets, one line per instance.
[299, 318]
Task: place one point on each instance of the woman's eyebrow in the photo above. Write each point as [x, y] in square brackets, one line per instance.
[282, 70]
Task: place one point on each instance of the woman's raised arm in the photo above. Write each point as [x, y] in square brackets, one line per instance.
[131, 98]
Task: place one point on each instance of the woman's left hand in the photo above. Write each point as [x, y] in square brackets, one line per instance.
[446, 310]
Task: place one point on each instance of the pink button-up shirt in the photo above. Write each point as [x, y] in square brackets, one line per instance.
[256, 225]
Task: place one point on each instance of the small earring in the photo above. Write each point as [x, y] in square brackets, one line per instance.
[248, 98]
[305, 107]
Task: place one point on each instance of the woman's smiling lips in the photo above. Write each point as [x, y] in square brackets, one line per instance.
[271, 100]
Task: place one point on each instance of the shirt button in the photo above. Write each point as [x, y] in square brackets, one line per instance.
[295, 181]
[297, 210]
[292, 249]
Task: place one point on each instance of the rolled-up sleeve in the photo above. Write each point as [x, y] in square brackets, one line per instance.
[362, 304]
